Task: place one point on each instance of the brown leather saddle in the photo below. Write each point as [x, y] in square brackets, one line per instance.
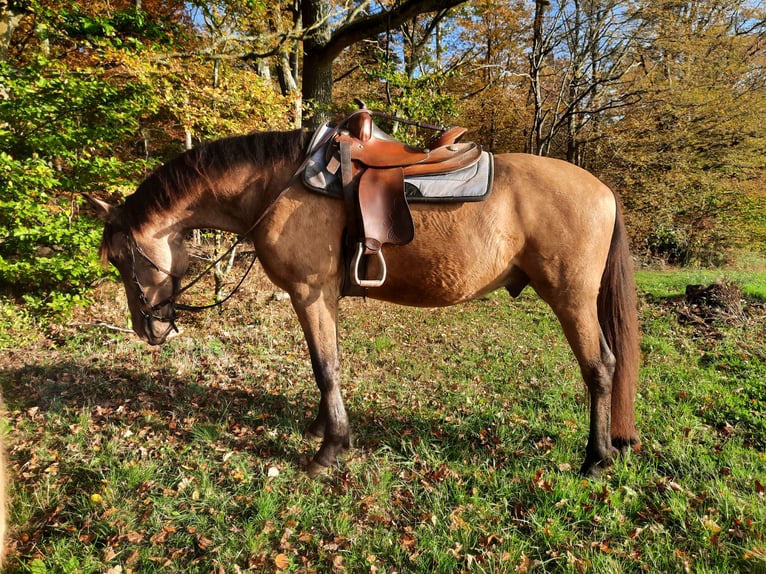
[373, 166]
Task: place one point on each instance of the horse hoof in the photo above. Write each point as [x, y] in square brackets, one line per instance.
[593, 466]
[591, 470]
[315, 470]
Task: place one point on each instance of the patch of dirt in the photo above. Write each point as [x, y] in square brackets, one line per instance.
[709, 307]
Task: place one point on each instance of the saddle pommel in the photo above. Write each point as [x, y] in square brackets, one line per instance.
[359, 125]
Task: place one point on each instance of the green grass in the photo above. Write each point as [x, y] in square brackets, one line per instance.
[469, 425]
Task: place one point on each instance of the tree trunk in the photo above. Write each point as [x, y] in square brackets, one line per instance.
[321, 46]
[536, 59]
[317, 65]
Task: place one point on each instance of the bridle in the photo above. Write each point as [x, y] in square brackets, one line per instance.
[151, 313]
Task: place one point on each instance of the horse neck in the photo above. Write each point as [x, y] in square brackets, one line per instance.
[235, 201]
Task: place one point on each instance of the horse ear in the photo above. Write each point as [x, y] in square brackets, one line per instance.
[103, 210]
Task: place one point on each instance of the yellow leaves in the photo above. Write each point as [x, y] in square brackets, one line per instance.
[757, 553]
[457, 522]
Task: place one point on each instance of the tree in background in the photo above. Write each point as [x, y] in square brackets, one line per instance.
[323, 43]
[581, 53]
[664, 101]
[93, 98]
[689, 155]
[64, 128]
[404, 72]
[492, 38]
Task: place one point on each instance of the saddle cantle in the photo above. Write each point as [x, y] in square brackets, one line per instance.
[373, 168]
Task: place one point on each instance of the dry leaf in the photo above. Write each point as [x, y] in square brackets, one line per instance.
[524, 564]
[281, 561]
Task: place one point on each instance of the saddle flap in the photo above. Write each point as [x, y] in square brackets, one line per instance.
[386, 217]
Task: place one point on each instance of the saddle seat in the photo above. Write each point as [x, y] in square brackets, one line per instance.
[373, 167]
[372, 147]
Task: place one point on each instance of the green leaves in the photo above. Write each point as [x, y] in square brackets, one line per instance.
[53, 111]
[56, 126]
[47, 257]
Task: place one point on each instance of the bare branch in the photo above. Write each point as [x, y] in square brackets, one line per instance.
[353, 31]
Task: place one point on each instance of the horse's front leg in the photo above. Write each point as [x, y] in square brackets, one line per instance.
[318, 316]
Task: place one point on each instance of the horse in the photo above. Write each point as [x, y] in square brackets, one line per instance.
[546, 224]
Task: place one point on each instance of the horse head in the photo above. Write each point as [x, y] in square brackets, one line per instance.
[151, 269]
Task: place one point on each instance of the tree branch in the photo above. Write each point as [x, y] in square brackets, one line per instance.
[358, 29]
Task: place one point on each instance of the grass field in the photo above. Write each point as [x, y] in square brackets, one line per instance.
[470, 424]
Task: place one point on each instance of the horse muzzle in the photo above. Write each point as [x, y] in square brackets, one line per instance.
[158, 327]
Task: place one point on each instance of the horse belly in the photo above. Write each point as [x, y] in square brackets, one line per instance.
[459, 253]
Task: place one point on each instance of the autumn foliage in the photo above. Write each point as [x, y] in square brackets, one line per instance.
[663, 101]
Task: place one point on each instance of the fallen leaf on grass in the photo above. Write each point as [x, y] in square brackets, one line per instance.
[711, 525]
[523, 566]
[337, 563]
[540, 482]
[203, 542]
[758, 553]
[281, 561]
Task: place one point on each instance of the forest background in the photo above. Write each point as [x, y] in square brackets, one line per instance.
[663, 100]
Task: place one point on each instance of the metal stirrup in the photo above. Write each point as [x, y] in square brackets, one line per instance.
[367, 283]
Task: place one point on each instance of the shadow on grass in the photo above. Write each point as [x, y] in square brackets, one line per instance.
[257, 418]
[175, 405]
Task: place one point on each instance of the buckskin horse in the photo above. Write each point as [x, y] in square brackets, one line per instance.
[546, 224]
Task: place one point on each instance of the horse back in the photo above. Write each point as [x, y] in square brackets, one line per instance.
[544, 220]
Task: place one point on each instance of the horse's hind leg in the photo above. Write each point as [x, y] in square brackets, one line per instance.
[597, 365]
[598, 375]
[318, 315]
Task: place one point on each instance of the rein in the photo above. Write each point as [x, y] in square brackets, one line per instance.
[176, 280]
